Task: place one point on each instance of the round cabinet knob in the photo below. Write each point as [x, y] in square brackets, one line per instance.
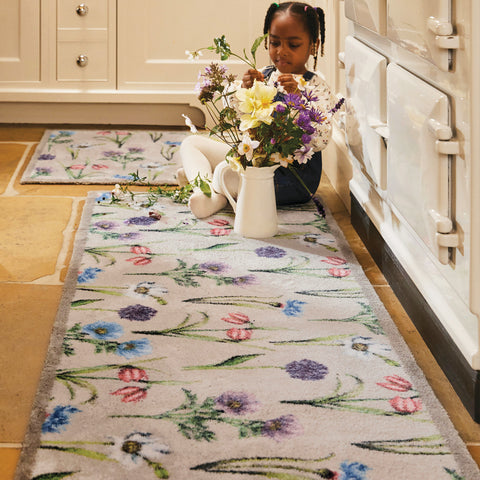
[82, 10]
[82, 60]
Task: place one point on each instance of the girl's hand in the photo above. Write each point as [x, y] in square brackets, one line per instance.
[288, 82]
[250, 76]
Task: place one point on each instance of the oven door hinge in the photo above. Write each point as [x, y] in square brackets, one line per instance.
[444, 235]
[443, 34]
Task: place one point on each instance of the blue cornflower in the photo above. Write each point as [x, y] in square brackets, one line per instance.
[123, 177]
[103, 330]
[293, 308]
[134, 348]
[57, 421]
[353, 471]
[104, 197]
[88, 274]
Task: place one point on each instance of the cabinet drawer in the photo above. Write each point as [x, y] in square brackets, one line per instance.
[82, 14]
[94, 66]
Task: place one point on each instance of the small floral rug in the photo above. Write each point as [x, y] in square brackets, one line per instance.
[105, 157]
[184, 351]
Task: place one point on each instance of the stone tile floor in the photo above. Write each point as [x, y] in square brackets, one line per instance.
[37, 228]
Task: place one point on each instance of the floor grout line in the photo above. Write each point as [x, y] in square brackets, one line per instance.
[10, 190]
[68, 236]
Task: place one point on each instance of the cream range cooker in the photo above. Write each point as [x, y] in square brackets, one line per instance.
[413, 134]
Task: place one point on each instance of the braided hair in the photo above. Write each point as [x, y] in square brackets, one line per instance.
[312, 18]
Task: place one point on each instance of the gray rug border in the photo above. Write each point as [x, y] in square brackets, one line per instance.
[27, 180]
[469, 468]
[54, 352]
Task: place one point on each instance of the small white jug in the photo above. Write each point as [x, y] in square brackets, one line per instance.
[256, 208]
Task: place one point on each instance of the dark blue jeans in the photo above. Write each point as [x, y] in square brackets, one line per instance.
[289, 190]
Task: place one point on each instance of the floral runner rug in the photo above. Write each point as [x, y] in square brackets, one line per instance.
[105, 157]
[182, 350]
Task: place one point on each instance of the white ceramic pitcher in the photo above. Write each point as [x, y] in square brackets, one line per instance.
[255, 208]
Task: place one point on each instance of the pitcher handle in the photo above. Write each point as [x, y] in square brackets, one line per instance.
[219, 182]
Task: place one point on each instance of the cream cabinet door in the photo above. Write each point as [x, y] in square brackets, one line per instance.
[153, 36]
[20, 41]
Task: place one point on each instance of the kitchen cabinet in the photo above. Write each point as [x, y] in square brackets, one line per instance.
[75, 56]
[20, 41]
[152, 40]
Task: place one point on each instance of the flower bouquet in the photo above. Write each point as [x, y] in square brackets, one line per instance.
[263, 125]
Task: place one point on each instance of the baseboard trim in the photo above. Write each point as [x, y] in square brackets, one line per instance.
[465, 380]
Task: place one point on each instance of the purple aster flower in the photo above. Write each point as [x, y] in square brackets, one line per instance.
[213, 267]
[57, 421]
[245, 280]
[306, 139]
[306, 370]
[134, 348]
[237, 403]
[280, 108]
[316, 116]
[105, 225]
[139, 313]
[309, 96]
[270, 252]
[128, 236]
[112, 153]
[145, 221]
[305, 123]
[293, 100]
[46, 156]
[293, 308]
[282, 427]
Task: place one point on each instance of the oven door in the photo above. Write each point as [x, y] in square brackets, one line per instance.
[370, 14]
[418, 158]
[423, 27]
[366, 129]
